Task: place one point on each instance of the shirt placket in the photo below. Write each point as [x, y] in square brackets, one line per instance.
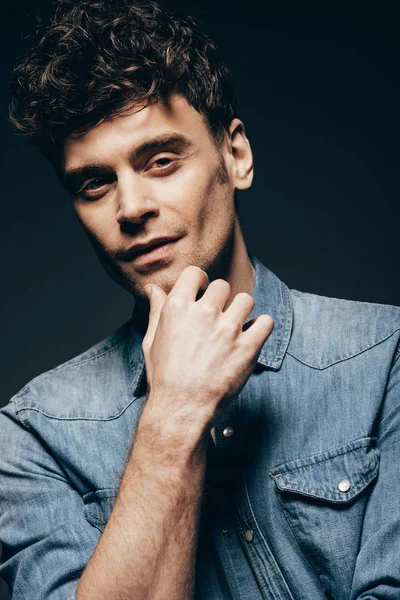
[268, 580]
[224, 480]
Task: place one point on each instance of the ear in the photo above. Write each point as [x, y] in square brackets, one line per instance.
[242, 156]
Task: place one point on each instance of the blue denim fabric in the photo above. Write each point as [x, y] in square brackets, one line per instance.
[301, 502]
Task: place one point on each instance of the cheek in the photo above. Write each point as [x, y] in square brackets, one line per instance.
[200, 197]
[216, 207]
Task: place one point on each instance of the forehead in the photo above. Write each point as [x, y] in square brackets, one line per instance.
[114, 139]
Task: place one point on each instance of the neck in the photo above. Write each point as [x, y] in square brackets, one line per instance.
[239, 271]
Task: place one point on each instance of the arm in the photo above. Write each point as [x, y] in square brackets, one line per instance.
[46, 538]
[148, 548]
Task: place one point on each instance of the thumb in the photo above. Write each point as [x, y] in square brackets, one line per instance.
[157, 297]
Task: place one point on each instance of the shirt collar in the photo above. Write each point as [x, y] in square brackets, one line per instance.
[271, 296]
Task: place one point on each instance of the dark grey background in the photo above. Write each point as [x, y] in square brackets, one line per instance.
[319, 91]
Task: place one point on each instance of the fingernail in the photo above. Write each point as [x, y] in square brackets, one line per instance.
[148, 289]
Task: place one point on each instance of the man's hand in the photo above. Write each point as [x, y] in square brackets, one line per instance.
[198, 357]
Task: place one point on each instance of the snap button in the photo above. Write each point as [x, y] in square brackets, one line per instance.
[249, 535]
[344, 485]
[228, 431]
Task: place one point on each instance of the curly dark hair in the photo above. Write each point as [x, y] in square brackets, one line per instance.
[94, 59]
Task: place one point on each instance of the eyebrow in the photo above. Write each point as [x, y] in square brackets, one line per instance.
[75, 175]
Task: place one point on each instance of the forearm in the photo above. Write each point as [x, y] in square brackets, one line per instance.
[148, 548]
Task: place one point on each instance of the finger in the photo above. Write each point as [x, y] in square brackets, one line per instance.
[259, 331]
[157, 297]
[240, 308]
[217, 294]
[189, 282]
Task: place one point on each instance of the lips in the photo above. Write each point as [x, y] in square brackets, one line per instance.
[154, 255]
[150, 248]
[144, 248]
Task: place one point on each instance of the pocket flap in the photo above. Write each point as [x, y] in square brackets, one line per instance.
[337, 475]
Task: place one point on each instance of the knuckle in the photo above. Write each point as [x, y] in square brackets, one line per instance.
[230, 327]
[207, 309]
[221, 283]
[175, 302]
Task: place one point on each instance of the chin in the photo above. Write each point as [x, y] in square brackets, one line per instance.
[135, 285]
[165, 276]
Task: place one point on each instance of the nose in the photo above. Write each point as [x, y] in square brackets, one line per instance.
[135, 200]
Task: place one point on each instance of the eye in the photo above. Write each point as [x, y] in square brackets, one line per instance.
[94, 188]
[94, 184]
[163, 162]
[162, 165]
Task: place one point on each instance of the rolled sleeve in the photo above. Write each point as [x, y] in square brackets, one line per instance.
[377, 573]
[46, 538]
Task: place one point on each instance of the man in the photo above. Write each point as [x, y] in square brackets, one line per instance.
[235, 439]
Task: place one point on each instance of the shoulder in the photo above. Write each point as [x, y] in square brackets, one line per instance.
[81, 387]
[328, 330]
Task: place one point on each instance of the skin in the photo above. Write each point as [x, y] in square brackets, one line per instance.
[191, 304]
[169, 191]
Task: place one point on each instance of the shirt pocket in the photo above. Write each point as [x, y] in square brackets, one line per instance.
[323, 498]
[98, 506]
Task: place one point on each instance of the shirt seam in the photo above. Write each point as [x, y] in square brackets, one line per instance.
[321, 368]
[365, 442]
[111, 418]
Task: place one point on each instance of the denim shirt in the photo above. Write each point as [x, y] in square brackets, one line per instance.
[302, 490]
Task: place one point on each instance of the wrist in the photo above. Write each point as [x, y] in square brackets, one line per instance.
[170, 430]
